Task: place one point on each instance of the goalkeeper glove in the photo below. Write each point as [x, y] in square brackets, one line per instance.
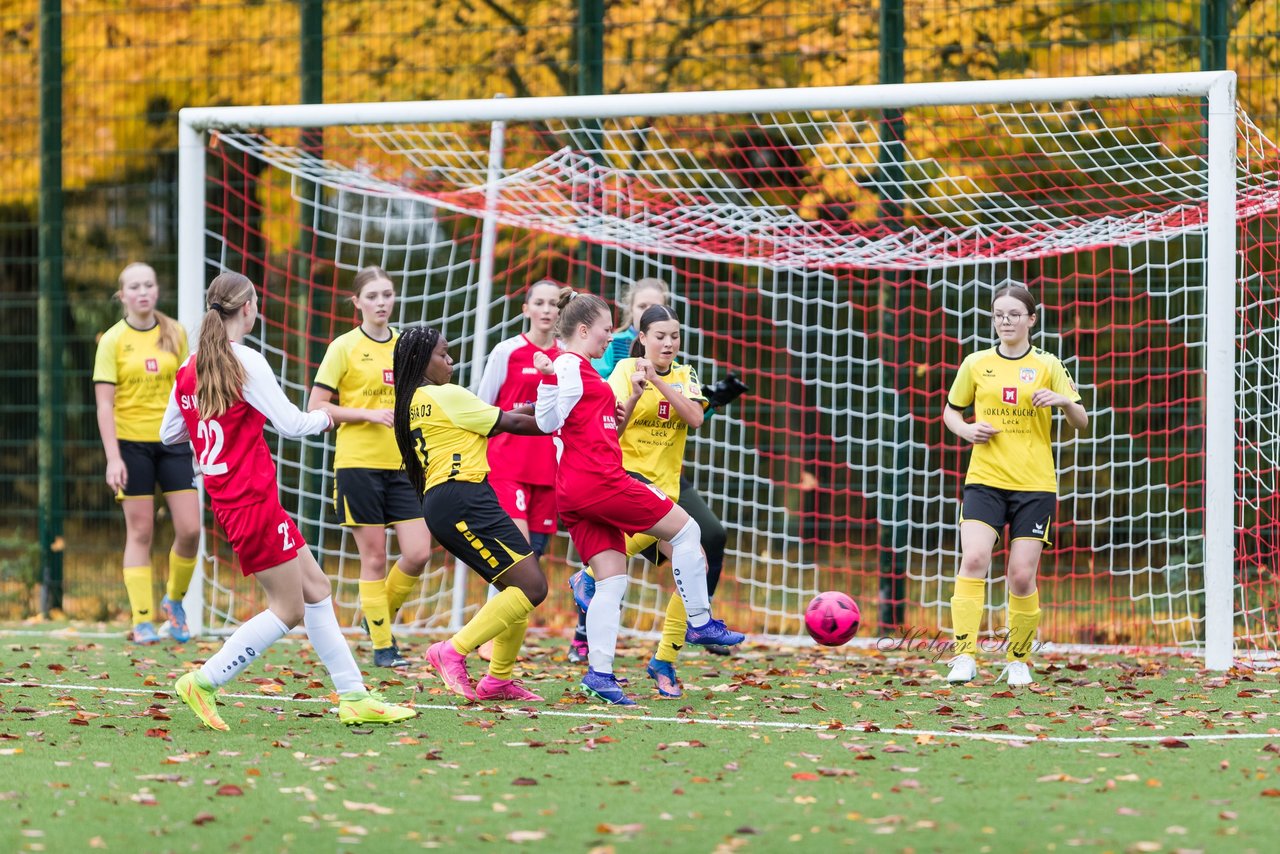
[725, 391]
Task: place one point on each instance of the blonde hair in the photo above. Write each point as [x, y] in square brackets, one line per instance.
[170, 335]
[577, 309]
[219, 374]
[629, 297]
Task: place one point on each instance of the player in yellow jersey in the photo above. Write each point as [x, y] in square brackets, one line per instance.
[371, 493]
[443, 433]
[1013, 388]
[662, 401]
[133, 377]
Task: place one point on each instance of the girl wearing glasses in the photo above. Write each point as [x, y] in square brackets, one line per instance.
[1013, 388]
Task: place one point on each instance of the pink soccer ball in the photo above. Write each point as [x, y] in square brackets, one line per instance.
[832, 618]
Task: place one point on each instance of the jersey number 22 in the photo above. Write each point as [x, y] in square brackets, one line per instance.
[210, 433]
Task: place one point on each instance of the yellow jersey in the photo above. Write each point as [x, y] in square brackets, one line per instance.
[450, 427]
[357, 369]
[654, 439]
[143, 374]
[1020, 456]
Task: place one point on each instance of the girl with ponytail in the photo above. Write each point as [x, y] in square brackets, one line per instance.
[222, 398]
[600, 503]
[133, 377]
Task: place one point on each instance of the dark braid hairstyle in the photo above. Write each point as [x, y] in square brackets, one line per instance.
[653, 314]
[409, 366]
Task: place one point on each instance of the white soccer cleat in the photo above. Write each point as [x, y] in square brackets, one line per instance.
[1017, 674]
[963, 669]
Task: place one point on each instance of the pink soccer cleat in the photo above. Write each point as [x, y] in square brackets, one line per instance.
[504, 689]
[452, 667]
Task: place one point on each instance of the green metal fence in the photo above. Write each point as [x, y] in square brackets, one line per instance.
[88, 147]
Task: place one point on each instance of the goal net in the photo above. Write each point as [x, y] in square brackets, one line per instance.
[838, 250]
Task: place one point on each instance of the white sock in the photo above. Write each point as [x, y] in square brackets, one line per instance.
[245, 644]
[327, 640]
[604, 616]
[689, 566]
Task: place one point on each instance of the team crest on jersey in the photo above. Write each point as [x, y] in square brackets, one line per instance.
[388, 377]
[1010, 396]
[1027, 375]
[664, 409]
[153, 366]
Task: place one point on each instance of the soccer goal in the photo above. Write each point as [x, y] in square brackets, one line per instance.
[837, 248]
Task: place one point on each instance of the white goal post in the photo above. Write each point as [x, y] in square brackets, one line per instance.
[1214, 91]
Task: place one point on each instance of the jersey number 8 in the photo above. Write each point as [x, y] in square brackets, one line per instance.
[210, 433]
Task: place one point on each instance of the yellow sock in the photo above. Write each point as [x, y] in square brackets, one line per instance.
[180, 571]
[137, 581]
[967, 602]
[1024, 619]
[399, 586]
[373, 601]
[498, 614]
[506, 647]
[673, 629]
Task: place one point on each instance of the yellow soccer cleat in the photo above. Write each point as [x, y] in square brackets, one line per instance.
[196, 691]
[368, 707]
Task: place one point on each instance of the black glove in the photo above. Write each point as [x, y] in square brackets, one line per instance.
[726, 391]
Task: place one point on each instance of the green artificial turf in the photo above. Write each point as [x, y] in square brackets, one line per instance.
[769, 750]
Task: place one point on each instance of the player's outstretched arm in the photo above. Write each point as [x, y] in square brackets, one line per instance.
[726, 391]
[263, 393]
[518, 422]
[322, 399]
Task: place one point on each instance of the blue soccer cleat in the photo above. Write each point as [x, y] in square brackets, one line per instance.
[714, 632]
[604, 686]
[664, 676]
[176, 616]
[144, 633]
[583, 587]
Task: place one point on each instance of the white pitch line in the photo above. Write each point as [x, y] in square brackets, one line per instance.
[786, 725]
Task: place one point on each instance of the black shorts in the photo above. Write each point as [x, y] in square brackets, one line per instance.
[1029, 515]
[467, 519]
[374, 497]
[149, 463]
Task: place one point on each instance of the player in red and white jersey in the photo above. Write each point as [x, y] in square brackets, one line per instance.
[223, 396]
[600, 503]
[522, 469]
